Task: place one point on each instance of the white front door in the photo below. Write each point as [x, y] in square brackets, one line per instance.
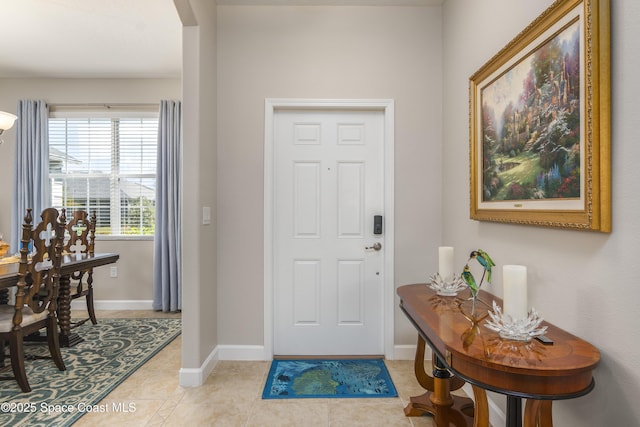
[328, 186]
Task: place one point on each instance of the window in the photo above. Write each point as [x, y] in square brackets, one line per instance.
[106, 165]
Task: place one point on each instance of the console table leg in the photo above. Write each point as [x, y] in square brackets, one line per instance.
[441, 395]
[446, 409]
[425, 380]
[537, 413]
[546, 419]
[481, 407]
[514, 411]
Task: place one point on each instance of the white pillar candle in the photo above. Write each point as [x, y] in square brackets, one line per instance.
[515, 291]
[445, 263]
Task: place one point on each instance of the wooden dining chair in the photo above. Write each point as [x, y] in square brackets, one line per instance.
[37, 293]
[80, 240]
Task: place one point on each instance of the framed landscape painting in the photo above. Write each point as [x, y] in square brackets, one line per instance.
[539, 123]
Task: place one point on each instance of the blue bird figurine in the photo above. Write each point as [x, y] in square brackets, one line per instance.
[485, 261]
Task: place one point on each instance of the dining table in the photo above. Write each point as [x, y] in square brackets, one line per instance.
[71, 263]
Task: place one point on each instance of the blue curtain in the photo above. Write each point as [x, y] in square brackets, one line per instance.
[167, 288]
[31, 187]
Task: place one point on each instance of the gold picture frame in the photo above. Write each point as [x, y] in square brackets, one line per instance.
[540, 123]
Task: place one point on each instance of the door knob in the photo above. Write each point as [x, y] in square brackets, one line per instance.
[376, 246]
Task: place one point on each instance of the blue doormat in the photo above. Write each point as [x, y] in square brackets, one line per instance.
[323, 378]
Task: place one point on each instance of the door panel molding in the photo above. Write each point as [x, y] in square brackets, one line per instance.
[351, 136]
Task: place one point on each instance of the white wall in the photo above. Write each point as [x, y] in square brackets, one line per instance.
[135, 267]
[583, 282]
[323, 52]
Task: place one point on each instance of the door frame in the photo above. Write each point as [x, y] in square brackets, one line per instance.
[388, 108]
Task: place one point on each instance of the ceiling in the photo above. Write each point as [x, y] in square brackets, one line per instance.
[108, 38]
[90, 38]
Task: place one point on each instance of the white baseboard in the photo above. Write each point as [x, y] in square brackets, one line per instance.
[80, 304]
[408, 352]
[195, 377]
[242, 352]
[257, 352]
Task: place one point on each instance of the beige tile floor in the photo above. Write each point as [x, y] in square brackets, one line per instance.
[231, 396]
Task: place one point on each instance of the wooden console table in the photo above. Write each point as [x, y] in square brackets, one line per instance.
[464, 350]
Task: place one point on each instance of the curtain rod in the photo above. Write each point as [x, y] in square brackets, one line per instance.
[104, 105]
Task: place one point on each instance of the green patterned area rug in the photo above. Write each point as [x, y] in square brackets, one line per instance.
[111, 351]
[324, 378]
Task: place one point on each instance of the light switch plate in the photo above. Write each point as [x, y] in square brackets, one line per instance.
[206, 215]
